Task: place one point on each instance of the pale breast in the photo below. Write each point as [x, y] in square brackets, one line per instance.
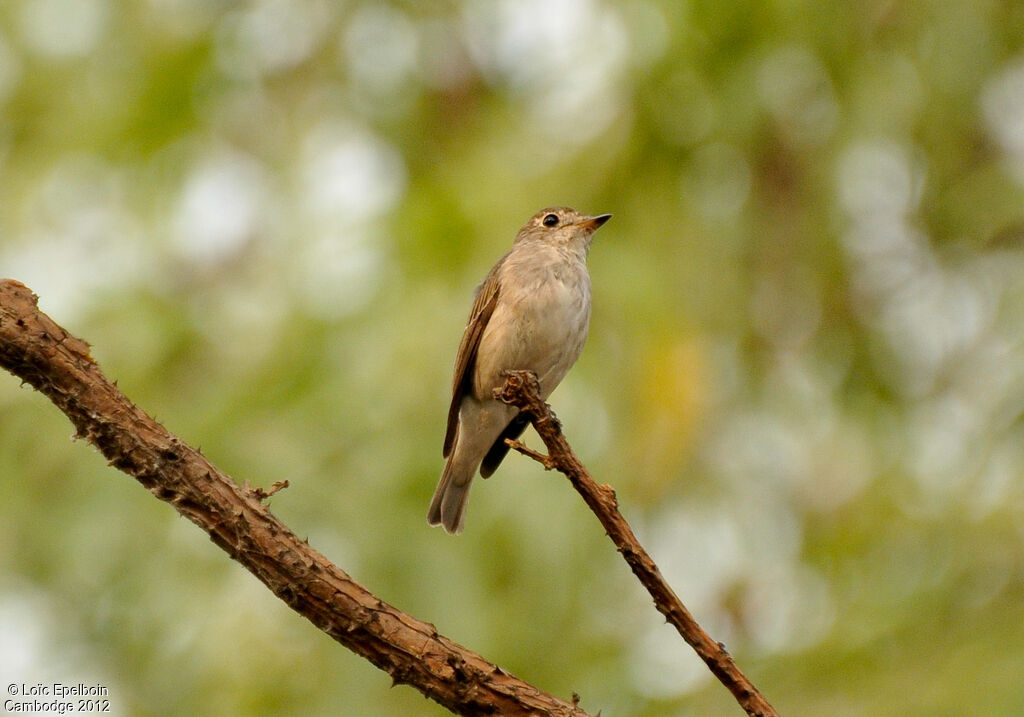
[540, 322]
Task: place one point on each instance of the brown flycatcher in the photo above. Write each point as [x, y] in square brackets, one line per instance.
[531, 313]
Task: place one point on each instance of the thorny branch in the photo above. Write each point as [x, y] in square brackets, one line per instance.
[522, 390]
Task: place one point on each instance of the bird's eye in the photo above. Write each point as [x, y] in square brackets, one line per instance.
[551, 220]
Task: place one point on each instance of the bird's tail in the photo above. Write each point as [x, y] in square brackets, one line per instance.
[448, 508]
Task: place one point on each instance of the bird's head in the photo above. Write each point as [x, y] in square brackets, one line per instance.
[561, 226]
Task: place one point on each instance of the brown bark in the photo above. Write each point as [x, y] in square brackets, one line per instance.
[522, 390]
[41, 353]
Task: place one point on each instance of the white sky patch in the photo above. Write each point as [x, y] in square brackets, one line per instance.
[340, 271]
[663, 666]
[79, 238]
[223, 204]
[33, 647]
[348, 179]
[63, 28]
[23, 630]
[562, 57]
[878, 178]
[348, 175]
[788, 607]
[1002, 103]
[928, 312]
[269, 36]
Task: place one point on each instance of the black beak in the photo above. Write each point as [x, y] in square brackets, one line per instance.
[594, 222]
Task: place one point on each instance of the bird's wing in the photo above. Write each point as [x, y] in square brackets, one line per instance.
[483, 307]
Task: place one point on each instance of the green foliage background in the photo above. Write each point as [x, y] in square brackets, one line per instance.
[804, 375]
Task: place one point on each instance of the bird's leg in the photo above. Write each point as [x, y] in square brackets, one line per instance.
[522, 389]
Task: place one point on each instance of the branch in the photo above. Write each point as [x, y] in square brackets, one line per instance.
[522, 390]
[38, 351]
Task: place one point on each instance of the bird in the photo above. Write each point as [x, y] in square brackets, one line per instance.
[531, 312]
